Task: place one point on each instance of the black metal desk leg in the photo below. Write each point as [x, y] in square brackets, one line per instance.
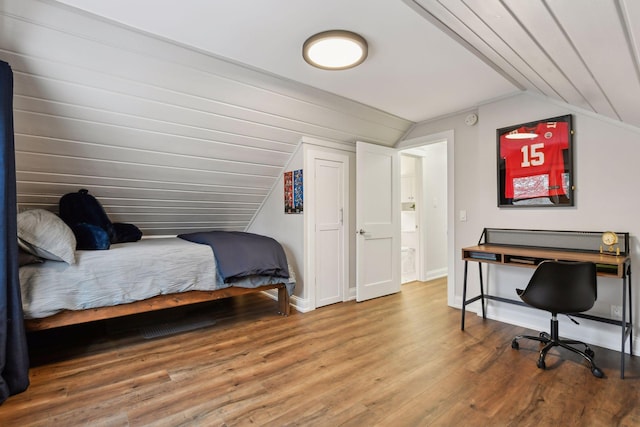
[484, 314]
[623, 324]
[464, 294]
[626, 283]
[630, 312]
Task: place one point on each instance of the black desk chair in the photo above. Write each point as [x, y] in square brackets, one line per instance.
[561, 287]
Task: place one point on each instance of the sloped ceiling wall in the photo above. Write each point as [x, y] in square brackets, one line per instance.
[586, 54]
[166, 137]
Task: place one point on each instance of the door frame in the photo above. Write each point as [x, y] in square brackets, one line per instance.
[448, 137]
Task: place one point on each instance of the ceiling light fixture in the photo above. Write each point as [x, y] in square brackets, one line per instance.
[335, 50]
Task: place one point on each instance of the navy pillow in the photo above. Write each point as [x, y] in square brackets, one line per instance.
[89, 237]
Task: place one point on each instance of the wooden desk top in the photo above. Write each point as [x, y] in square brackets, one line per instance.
[608, 265]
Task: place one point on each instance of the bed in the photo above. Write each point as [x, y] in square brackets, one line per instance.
[151, 274]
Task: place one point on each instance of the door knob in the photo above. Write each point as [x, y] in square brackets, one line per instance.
[361, 231]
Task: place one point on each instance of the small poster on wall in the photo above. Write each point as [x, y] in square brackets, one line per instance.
[293, 192]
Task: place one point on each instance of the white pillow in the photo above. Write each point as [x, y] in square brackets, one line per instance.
[44, 234]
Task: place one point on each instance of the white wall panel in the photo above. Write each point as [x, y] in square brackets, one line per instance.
[65, 147]
[35, 162]
[141, 196]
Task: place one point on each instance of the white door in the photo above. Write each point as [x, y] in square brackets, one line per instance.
[329, 231]
[377, 221]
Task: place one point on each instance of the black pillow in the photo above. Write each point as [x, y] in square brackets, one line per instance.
[93, 229]
[123, 232]
[82, 207]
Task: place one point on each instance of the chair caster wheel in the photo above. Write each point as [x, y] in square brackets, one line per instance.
[589, 352]
[515, 345]
[597, 373]
[542, 365]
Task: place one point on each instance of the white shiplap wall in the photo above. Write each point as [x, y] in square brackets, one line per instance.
[586, 54]
[166, 137]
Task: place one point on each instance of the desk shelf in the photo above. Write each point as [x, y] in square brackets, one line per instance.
[606, 265]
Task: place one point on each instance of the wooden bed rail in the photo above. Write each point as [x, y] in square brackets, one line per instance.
[160, 302]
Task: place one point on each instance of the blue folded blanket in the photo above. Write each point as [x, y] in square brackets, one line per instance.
[240, 254]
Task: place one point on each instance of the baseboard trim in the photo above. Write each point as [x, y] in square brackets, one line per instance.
[595, 333]
[435, 274]
[296, 302]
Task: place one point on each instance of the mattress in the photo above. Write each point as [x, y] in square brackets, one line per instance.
[127, 272]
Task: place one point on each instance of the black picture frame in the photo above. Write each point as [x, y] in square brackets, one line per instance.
[535, 163]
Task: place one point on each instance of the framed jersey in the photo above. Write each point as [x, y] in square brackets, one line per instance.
[535, 163]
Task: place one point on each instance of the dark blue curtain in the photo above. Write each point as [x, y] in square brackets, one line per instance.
[14, 357]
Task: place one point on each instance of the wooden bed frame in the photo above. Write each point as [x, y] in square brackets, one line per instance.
[72, 317]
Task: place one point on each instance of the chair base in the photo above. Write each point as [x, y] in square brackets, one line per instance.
[553, 340]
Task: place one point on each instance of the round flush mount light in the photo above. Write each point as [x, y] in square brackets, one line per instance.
[335, 50]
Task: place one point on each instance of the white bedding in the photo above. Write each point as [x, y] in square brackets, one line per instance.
[125, 273]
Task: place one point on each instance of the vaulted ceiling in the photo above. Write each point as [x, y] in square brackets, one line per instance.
[584, 54]
[182, 115]
[413, 71]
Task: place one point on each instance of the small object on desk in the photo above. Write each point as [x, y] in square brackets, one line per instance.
[610, 239]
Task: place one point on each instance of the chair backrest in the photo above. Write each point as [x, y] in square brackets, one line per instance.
[562, 287]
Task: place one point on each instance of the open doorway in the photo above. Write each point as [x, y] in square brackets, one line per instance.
[448, 250]
[411, 210]
[424, 212]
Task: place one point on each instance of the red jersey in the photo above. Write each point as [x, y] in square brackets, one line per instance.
[534, 167]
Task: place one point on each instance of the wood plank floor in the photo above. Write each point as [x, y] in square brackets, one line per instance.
[400, 360]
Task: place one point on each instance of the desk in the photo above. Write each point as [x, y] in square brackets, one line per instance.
[607, 266]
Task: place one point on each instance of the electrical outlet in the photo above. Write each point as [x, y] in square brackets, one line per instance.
[616, 311]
